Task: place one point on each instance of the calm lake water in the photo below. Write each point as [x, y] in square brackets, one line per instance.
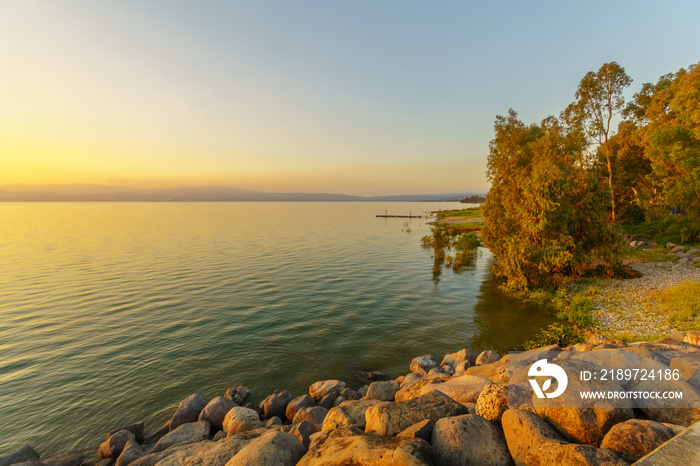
[111, 313]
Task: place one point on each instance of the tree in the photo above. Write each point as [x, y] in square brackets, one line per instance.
[598, 99]
[545, 210]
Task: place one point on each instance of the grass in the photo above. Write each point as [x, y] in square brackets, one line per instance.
[682, 305]
[472, 212]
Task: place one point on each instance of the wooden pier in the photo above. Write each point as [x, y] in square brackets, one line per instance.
[410, 215]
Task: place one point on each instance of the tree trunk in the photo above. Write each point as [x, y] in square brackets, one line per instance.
[610, 183]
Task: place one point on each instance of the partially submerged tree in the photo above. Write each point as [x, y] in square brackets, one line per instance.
[598, 99]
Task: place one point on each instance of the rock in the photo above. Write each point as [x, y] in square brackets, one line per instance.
[413, 389]
[132, 451]
[137, 429]
[276, 404]
[273, 448]
[424, 364]
[583, 347]
[238, 394]
[325, 387]
[635, 438]
[104, 462]
[190, 453]
[373, 376]
[348, 414]
[422, 429]
[494, 400]
[693, 338]
[303, 432]
[328, 401]
[670, 245]
[215, 411]
[687, 363]
[487, 357]
[26, 453]
[315, 415]
[462, 367]
[157, 435]
[382, 391]
[462, 389]
[347, 446]
[67, 458]
[469, 439]
[190, 432]
[495, 372]
[304, 401]
[683, 412]
[531, 441]
[677, 249]
[454, 359]
[531, 356]
[188, 410]
[684, 449]
[240, 419]
[579, 420]
[408, 378]
[254, 407]
[350, 394]
[273, 421]
[113, 446]
[339, 400]
[388, 418]
[597, 339]
[447, 369]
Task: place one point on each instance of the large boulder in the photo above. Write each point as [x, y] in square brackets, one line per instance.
[531, 441]
[177, 455]
[113, 446]
[132, 451]
[190, 432]
[26, 453]
[469, 439]
[391, 418]
[276, 404]
[496, 372]
[693, 338]
[216, 410]
[462, 389]
[413, 388]
[274, 448]
[240, 419]
[613, 359]
[687, 364]
[487, 357]
[237, 394]
[320, 389]
[382, 391]
[188, 410]
[137, 429]
[583, 420]
[495, 399]
[424, 364]
[455, 359]
[347, 446]
[685, 411]
[348, 414]
[304, 401]
[315, 415]
[635, 438]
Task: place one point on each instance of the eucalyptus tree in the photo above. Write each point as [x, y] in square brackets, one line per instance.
[598, 100]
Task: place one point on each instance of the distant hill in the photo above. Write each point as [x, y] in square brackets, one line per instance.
[475, 199]
[102, 193]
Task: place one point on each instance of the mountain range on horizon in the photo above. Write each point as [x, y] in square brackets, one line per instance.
[109, 193]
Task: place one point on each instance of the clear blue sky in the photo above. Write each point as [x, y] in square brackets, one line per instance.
[359, 97]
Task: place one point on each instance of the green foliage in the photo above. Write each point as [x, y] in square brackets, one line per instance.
[681, 303]
[562, 334]
[447, 237]
[578, 311]
[471, 212]
[545, 210]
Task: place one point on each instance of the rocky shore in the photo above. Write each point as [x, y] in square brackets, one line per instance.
[467, 409]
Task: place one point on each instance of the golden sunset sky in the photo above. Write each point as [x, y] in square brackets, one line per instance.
[360, 97]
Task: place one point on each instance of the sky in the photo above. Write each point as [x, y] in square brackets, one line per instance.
[356, 97]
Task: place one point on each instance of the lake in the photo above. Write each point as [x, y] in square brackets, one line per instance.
[111, 313]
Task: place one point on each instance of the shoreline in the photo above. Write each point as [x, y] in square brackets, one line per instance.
[417, 418]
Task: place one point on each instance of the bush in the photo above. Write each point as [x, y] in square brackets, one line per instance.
[562, 334]
[632, 215]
